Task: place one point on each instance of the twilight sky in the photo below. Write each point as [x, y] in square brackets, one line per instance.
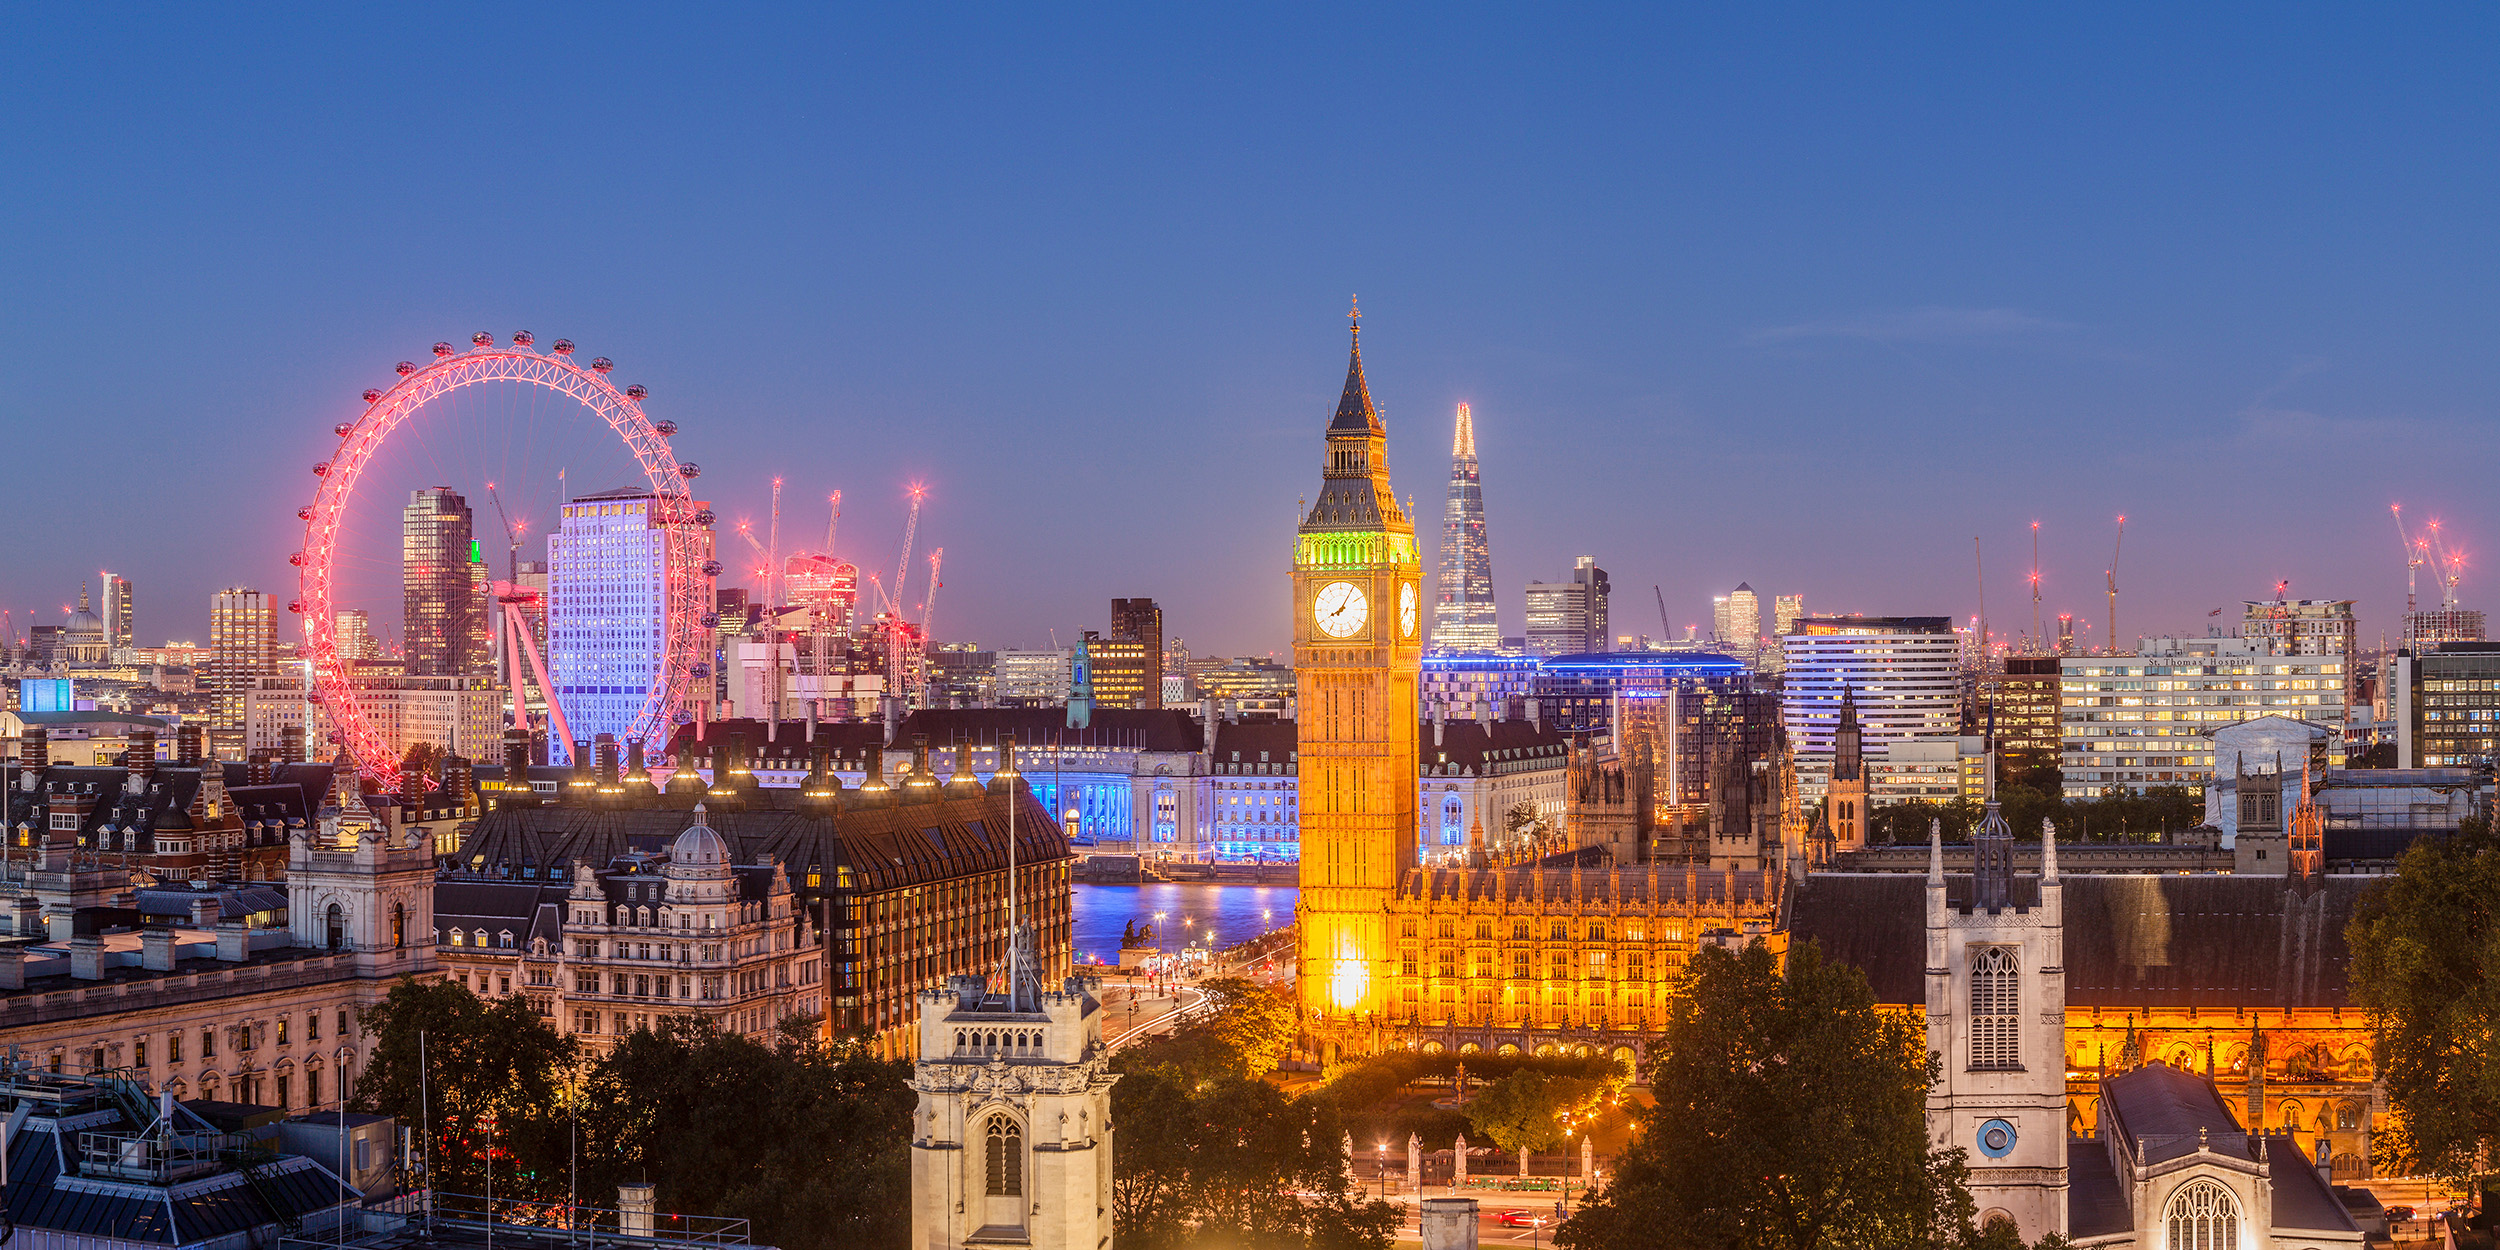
[1803, 299]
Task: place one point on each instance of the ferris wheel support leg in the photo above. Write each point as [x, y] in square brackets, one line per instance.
[563, 734]
[514, 632]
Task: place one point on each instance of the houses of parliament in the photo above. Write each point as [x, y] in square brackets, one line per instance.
[2042, 992]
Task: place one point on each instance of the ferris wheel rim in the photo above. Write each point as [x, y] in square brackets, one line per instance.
[416, 389]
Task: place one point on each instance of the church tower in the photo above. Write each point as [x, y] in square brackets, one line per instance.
[1358, 660]
[1996, 1017]
[1844, 800]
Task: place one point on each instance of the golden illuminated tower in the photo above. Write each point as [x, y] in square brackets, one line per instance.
[1358, 657]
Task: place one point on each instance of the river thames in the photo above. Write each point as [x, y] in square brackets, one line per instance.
[1233, 913]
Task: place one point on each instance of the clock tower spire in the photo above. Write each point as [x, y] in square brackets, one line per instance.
[1358, 659]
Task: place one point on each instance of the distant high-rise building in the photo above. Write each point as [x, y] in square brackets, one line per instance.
[1035, 678]
[1739, 622]
[607, 604]
[1123, 678]
[1785, 609]
[2019, 705]
[243, 648]
[118, 611]
[353, 628]
[439, 592]
[1463, 619]
[1136, 621]
[1569, 618]
[1903, 673]
[2308, 627]
[2424, 630]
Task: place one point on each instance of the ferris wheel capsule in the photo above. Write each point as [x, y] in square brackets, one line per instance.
[372, 394]
[602, 365]
[700, 670]
[343, 428]
[406, 367]
[296, 606]
[705, 517]
[665, 429]
[690, 469]
[637, 391]
[564, 347]
[482, 339]
[304, 513]
[297, 559]
[443, 349]
[322, 469]
[523, 338]
[711, 568]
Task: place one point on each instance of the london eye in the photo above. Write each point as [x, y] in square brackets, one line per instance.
[431, 393]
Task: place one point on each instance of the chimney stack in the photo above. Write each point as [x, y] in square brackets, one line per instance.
[187, 743]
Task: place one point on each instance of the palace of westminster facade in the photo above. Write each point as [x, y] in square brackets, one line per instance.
[2236, 979]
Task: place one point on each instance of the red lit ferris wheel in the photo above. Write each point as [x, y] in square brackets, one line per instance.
[689, 570]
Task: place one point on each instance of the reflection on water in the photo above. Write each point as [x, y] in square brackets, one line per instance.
[1233, 913]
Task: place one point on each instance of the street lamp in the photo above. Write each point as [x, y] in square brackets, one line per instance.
[1380, 1168]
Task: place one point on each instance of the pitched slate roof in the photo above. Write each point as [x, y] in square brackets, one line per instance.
[2133, 942]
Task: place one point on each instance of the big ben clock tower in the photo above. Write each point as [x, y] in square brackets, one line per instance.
[1358, 659]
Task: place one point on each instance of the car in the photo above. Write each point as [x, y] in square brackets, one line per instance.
[2395, 1214]
[1522, 1219]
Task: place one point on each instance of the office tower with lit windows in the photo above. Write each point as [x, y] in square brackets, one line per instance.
[243, 648]
[2019, 706]
[1569, 618]
[1903, 673]
[2307, 627]
[607, 604]
[118, 611]
[2427, 629]
[1785, 609]
[1463, 616]
[1738, 620]
[1136, 642]
[353, 627]
[2147, 718]
[438, 590]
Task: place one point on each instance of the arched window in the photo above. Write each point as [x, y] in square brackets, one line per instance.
[399, 926]
[336, 919]
[1006, 1158]
[2203, 1216]
[1995, 1009]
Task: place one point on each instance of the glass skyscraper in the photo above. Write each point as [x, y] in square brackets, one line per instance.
[607, 599]
[441, 627]
[1463, 619]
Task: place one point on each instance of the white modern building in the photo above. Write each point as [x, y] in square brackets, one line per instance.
[1035, 678]
[1904, 673]
[2146, 719]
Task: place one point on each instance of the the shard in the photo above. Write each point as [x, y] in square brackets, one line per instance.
[1463, 621]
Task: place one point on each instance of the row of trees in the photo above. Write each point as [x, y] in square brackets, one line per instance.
[2113, 817]
[809, 1144]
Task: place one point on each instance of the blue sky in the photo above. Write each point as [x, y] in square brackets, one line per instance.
[1807, 298]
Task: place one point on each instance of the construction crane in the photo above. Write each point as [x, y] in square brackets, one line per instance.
[2413, 558]
[2113, 582]
[902, 567]
[2036, 638]
[2447, 566]
[772, 553]
[928, 607]
[511, 536]
[746, 530]
[1666, 631]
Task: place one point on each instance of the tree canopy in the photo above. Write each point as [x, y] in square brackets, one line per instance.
[1791, 1115]
[1523, 1112]
[1234, 1162]
[809, 1144]
[2426, 966]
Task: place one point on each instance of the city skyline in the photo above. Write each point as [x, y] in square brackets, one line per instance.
[1792, 296]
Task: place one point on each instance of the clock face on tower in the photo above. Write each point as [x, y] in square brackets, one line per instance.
[1339, 609]
[1406, 610]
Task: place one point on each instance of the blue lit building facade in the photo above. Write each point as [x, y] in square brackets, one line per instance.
[1466, 687]
[607, 592]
